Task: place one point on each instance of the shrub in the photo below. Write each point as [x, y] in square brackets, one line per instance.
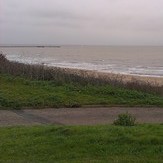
[125, 119]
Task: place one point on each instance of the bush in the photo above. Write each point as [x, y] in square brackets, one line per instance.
[125, 119]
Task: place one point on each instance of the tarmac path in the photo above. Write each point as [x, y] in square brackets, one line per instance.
[77, 116]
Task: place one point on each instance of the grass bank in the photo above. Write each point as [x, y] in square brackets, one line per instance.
[142, 144]
[19, 92]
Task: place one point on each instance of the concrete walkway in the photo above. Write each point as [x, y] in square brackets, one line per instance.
[77, 116]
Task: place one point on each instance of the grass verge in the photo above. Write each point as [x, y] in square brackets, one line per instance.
[19, 92]
[141, 143]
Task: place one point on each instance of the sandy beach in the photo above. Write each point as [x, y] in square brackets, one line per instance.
[158, 81]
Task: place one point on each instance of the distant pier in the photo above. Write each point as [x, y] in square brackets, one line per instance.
[29, 46]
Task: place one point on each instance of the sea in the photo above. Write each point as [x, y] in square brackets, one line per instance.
[132, 60]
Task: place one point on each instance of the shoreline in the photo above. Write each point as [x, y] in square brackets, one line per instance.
[123, 77]
[99, 72]
[36, 69]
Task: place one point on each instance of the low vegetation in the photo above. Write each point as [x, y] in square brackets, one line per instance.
[19, 92]
[60, 75]
[125, 119]
[139, 144]
[37, 86]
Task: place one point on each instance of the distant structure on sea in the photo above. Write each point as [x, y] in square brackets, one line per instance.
[38, 46]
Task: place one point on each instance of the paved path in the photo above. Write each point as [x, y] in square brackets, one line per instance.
[77, 116]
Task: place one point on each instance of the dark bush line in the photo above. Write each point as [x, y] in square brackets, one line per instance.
[61, 75]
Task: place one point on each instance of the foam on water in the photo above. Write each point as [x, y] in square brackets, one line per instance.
[146, 61]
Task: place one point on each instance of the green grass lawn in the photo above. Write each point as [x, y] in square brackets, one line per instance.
[17, 92]
[141, 143]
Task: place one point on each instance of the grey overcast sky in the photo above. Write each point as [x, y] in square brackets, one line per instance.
[83, 22]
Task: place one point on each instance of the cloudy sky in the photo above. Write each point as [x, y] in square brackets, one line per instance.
[84, 22]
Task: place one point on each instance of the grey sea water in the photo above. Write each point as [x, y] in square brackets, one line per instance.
[135, 60]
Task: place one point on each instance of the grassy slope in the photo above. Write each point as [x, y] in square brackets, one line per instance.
[18, 92]
[142, 143]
